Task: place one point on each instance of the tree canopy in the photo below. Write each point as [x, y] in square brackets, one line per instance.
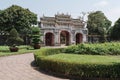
[115, 31]
[97, 23]
[17, 17]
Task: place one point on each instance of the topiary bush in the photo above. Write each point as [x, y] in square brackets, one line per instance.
[46, 52]
[14, 40]
[36, 37]
[52, 60]
[80, 70]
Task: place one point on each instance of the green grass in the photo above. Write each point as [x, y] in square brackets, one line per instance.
[82, 59]
[4, 50]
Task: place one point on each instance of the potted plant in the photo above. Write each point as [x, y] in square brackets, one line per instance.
[14, 40]
[36, 41]
[13, 48]
[36, 37]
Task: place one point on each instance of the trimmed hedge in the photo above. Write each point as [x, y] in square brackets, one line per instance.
[81, 70]
[112, 48]
[46, 52]
[73, 69]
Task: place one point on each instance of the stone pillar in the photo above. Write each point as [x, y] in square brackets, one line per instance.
[84, 38]
[85, 32]
[42, 38]
[57, 37]
[73, 37]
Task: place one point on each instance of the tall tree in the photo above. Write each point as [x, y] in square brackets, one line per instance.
[115, 31]
[98, 24]
[0, 14]
[17, 17]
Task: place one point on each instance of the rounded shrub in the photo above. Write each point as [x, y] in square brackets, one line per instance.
[112, 48]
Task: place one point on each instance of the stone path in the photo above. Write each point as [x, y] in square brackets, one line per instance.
[18, 67]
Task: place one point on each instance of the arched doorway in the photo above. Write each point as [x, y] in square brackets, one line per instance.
[79, 38]
[49, 39]
[64, 38]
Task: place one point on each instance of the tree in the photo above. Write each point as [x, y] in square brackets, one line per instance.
[0, 25]
[14, 38]
[115, 31]
[98, 24]
[17, 17]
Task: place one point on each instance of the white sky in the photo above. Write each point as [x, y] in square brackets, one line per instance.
[111, 8]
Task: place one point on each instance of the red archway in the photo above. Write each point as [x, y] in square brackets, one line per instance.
[49, 39]
[64, 37]
[79, 38]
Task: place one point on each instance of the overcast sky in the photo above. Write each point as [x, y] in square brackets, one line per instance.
[111, 8]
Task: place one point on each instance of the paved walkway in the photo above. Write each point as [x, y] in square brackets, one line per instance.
[18, 67]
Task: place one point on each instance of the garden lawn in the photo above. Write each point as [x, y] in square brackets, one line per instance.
[4, 50]
[82, 59]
